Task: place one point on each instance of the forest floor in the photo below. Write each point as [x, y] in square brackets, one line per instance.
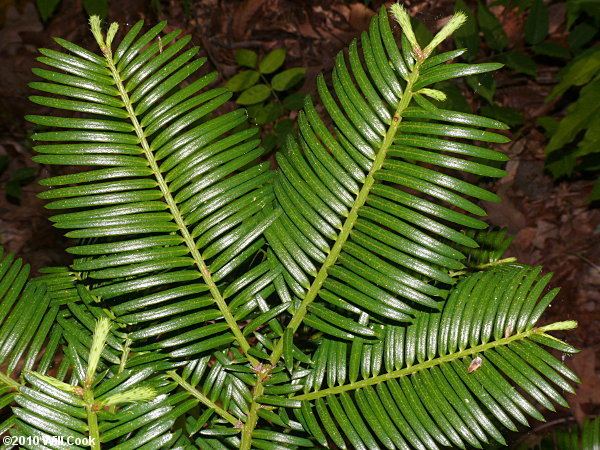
[551, 222]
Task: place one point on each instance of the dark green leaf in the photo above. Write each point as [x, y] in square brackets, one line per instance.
[591, 139]
[504, 114]
[549, 124]
[46, 8]
[455, 98]
[24, 174]
[494, 34]
[284, 126]
[269, 141]
[13, 190]
[422, 32]
[581, 35]
[467, 36]
[536, 26]
[551, 49]
[561, 165]
[484, 85]
[294, 101]
[18, 179]
[96, 7]
[268, 113]
[282, 129]
[576, 7]
[520, 62]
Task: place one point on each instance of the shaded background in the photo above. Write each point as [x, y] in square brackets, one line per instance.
[551, 221]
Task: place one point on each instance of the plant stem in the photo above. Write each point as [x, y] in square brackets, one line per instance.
[496, 263]
[262, 76]
[203, 398]
[122, 364]
[250, 424]
[348, 225]
[484, 266]
[174, 209]
[8, 381]
[92, 419]
[431, 363]
[125, 355]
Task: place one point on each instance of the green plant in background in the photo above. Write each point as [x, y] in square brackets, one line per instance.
[483, 22]
[482, 26]
[352, 298]
[575, 139]
[47, 8]
[267, 91]
[586, 437]
[17, 179]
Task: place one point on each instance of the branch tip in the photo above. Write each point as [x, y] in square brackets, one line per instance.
[96, 27]
[403, 19]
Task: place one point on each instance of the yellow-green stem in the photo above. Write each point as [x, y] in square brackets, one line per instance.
[92, 419]
[252, 419]
[203, 398]
[122, 364]
[498, 262]
[348, 225]
[8, 381]
[431, 363]
[173, 208]
[125, 355]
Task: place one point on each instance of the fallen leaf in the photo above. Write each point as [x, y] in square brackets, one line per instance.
[17, 23]
[588, 392]
[360, 16]
[243, 15]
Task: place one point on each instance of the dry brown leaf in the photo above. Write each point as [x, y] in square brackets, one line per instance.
[17, 23]
[588, 393]
[243, 15]
[360, 16]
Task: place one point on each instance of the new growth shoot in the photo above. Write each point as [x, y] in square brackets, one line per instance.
[402, 17]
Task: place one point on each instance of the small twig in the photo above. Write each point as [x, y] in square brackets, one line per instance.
[241, 44]
[586, 260]
[544, 426]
